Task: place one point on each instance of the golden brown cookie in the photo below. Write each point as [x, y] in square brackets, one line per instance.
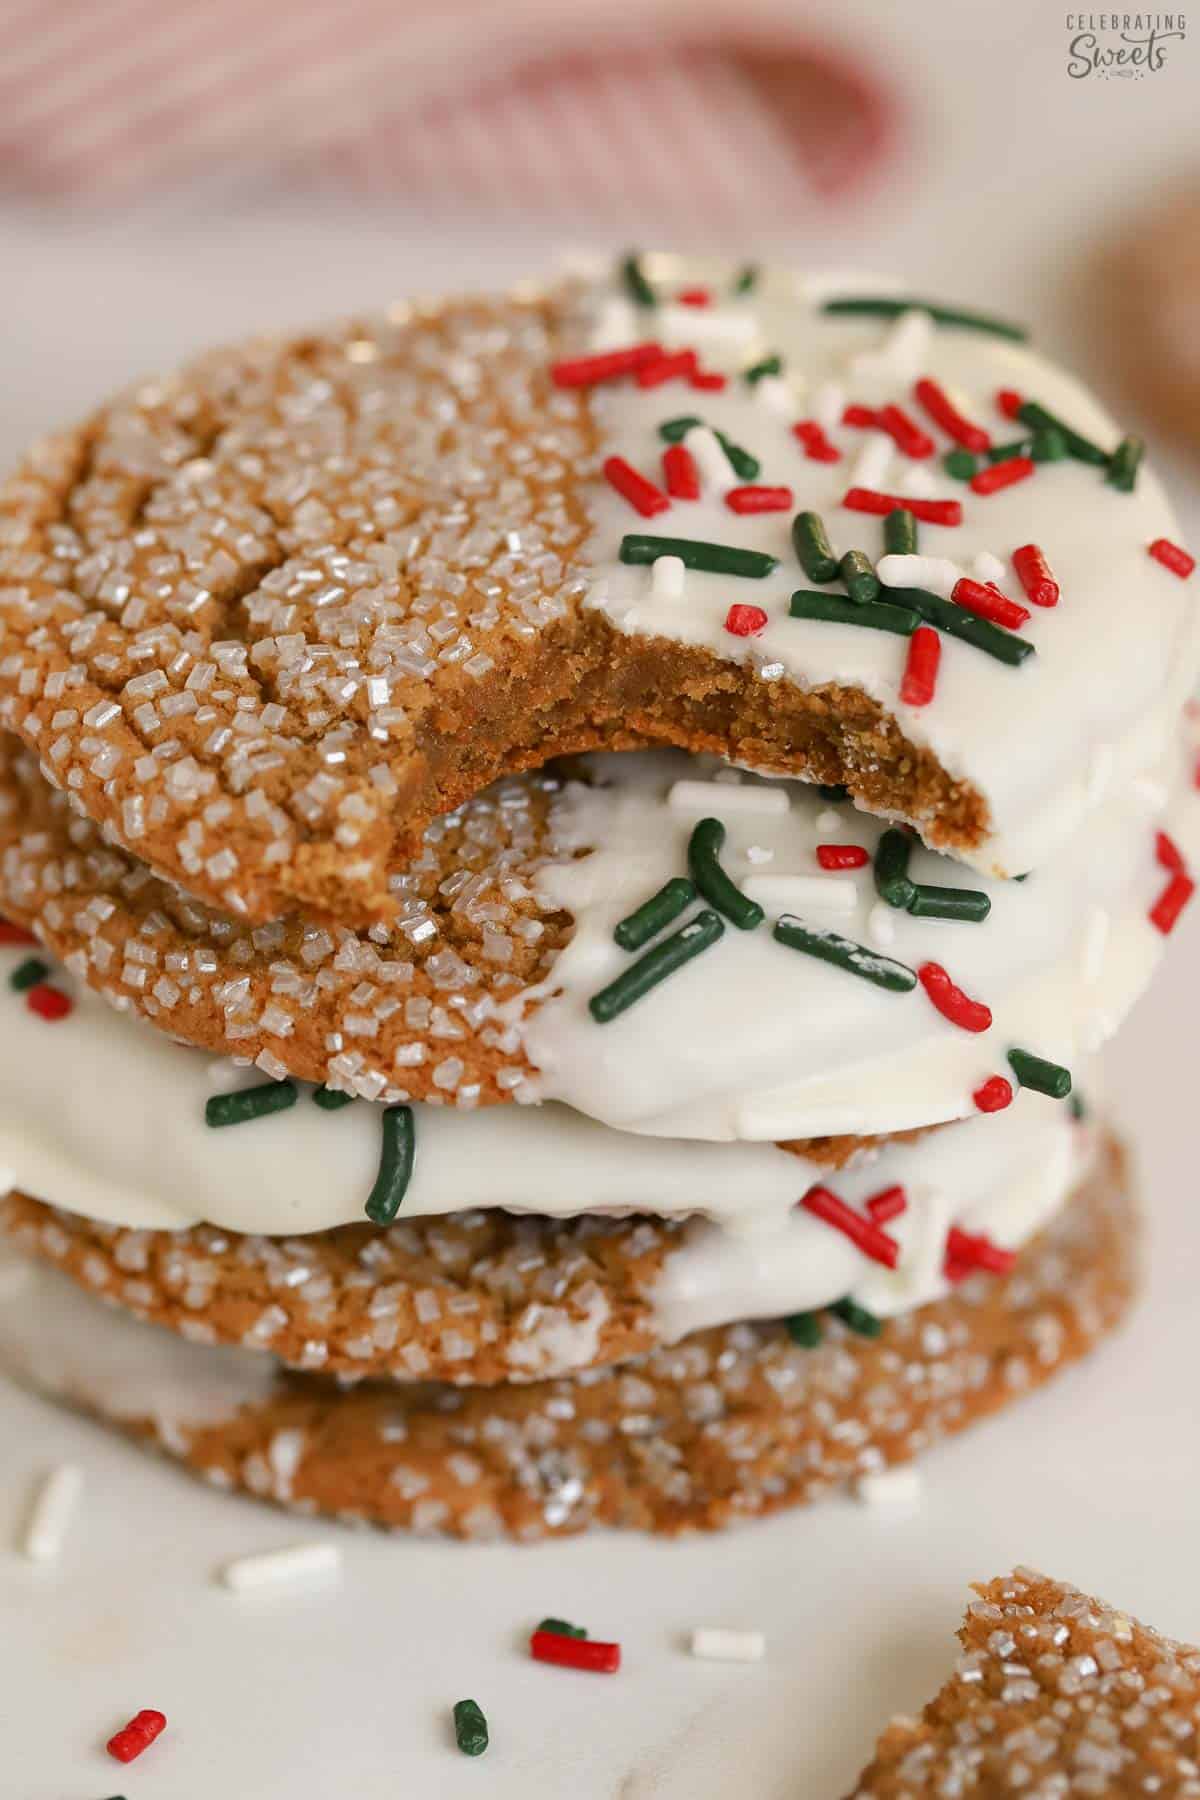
[725, 1426]
[1055, 1694]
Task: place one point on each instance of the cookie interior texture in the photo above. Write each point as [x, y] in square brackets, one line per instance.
[727, 1425]
[199, 585]
[1055, 1693]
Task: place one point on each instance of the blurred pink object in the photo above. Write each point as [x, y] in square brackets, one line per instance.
[703, 113]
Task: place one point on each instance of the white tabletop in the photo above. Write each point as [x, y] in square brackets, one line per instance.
[348, 1689]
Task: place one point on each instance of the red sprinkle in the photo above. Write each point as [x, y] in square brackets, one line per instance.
[967, 1251]
[951, 1002]
[586, 371]
[842, 856]
[1168, 853]
[995, 1094]
[709, 380]
[930, 512]
[909, 438]
[15, 934]
[745, 621]
[641, 494]
[988, 602]
[817, 446]
[48, 1002]
[1002, 474]
[759, 499]
[698, 296]
[1009, 402]
[1167, 908]
[860, 415]
[887, 1204]
[575, 1653]
[680, 473]
[1172, 557]
[919, 682]
[1033, 572]
[943, 412]
[137, 1736]
[865, 1233]
[666, 368]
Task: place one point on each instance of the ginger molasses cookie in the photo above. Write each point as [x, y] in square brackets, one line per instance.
[727, 1425]
[1054, 1693]
[267, 617]
[668, 946]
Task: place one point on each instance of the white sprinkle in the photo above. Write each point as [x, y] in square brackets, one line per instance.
[903, 351]
[758, 853]
[935, 573]
[1095, 943]
[721, 797]
[275, 1568]
[987, 567]
[873, 460]
[715, 468]
[715, 1645]
[830, 820]
[889, 1487]
[667, 577]
[615, 326]
[1100, 773]
[881, 924]
[688, 325]
[828, 404]
[777, 395]
[56, 1501]
[780, 893]
[921, 482]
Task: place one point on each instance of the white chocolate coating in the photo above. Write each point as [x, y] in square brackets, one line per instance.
[1113, 660]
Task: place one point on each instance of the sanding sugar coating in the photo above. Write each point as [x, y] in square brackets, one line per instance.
[480, 992]
[267, 617]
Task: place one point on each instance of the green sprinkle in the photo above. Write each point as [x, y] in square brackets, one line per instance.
[770, 365]
[960, 464]
[1031, 413]
[862, 583]
[330, 1100]
[1126, 460]
[636, 285]
[833, 791]
[28, 974]
[1042, 1076]
[1048, 445]
[900, 533]
[956, 622]
[249, 1103]
[844, 953]
[673, 431]
[704, 866]
[967, 904]
[804, 1329]
[647, 920]
[470, 1728]
[891, 868]
[813, 549]
[746, 279]
[1077, 1105]
[1006, 452]
[744, 466]
[695, 553]
[857, 1318]
[836, 609]
[561, 1628]
[656, 965]
[395, 1164]
[881, 306]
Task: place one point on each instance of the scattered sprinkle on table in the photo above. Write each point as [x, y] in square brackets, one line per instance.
[49, 1003]
[27, 974]
[53, 1508]
[395, 1164]
[290, 1567]
[889, 1487]
[247, 1104]
[470, 1728]
[712, 1644]
[561, 1628]
[141, 1731]
[575, 1653]
[1172, 557]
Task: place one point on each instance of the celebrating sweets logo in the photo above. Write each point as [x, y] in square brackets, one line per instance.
[1121, 46]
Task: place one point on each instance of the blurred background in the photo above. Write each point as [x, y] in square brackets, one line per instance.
[171, 174]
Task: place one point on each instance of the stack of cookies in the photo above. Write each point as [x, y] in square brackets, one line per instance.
[564, 860]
